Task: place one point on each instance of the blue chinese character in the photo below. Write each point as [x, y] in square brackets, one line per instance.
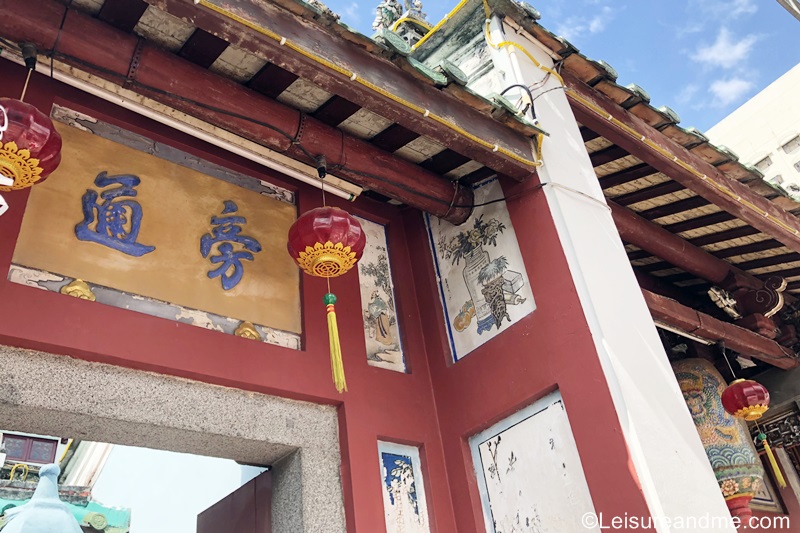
[117, 221]
[226, 231]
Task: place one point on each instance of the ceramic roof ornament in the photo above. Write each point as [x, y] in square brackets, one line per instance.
[45, 513]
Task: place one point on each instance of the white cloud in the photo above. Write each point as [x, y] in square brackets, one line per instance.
[687, 94]
[352, 12]
[728, 8]
[725, 52]
[727, 91]
[575, 27]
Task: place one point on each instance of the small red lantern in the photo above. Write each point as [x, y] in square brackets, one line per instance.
[327, 242]
[748, 399]
[30, 146]
[745, 398]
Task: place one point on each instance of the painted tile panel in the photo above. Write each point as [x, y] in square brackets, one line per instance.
[529, 472]
[404, 501]
[482, 280]
[381, 331]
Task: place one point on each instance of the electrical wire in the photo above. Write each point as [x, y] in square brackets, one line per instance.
[58, 35]
[527, 91]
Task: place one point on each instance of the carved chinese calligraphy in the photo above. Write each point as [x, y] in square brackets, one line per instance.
[225, 234]
[147, 226]
[113, 222]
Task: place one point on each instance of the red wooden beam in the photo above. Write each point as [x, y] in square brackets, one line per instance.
[368, 66]
[779, 224]
[744, 341]
[651, 237]
[94, 46]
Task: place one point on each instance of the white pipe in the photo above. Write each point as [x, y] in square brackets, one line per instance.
[194, 132]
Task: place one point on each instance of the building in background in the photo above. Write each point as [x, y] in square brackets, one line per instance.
[81, 463]
[765, 131]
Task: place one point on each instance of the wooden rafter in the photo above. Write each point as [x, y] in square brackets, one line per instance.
[593, 109]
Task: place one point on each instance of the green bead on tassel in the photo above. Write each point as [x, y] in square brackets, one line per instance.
[337, 366]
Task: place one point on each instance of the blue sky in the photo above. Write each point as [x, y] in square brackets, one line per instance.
[702, 58]
[166, 490]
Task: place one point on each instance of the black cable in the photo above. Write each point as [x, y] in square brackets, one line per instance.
[58, 36]
[527, 90]
[548, 90]
[8, 44]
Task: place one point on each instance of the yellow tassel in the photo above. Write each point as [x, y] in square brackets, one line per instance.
[775, 469]
[337, 366]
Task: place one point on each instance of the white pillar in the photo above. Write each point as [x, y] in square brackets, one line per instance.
[666, 452]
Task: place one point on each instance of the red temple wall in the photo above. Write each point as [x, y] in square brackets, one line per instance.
[551, 348]
[437, 406]
[381, 404]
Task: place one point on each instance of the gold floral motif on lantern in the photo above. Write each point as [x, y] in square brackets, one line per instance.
[751, 412]
[327, 260]
[18, 165]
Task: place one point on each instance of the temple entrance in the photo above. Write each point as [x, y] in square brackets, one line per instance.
[101, 403]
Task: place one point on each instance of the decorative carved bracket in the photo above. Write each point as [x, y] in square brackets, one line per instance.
[755, 302]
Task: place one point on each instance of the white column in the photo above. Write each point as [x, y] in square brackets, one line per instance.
[675, 474]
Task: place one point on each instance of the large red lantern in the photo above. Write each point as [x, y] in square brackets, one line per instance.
[745, 398]
[748, 399]
[30, 146]
[327, 242]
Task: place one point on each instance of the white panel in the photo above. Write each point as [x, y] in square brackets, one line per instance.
[404, 503]
[530, 475]
[381, 331]
[482, 279]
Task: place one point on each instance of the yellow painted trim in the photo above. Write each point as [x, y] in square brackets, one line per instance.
[418, 22]
[440, 24]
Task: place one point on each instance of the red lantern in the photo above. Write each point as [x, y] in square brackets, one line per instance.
[748, 399]
[30, 146]
[327, 242]
[745, 398]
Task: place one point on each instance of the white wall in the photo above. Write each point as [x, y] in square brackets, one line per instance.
[666, 452]
[762, 125]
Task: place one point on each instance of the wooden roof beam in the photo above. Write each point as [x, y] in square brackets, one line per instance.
[651, 237]
[680, 317]
[595, 111]
[87, 43]
[372, 69]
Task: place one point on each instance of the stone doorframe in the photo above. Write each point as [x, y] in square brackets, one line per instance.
[50, 394]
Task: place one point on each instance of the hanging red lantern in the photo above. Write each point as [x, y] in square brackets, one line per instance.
[30, 146]
[748, 399]
[745, 398]
[327, 242]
